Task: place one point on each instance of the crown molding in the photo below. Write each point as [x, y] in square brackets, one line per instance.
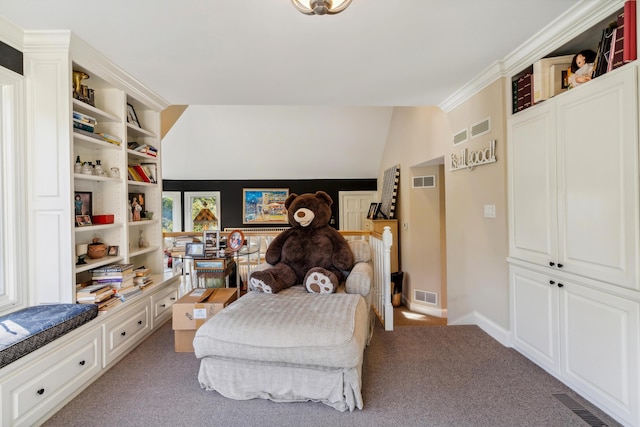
[11, 34]
[563, 29]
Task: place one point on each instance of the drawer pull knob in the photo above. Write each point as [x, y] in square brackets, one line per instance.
[560, 265]
[40, 392]
[139, 322]
[551, 263]
[173, 298]
[560, 285]
[123, 333]
[551, 282]
[163, 305]
[82, 362]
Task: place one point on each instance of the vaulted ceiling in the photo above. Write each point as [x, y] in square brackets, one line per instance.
[221, 56]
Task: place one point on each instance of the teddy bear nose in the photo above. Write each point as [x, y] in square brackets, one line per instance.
[300, 214]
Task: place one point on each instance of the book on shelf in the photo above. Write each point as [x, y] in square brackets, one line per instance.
[151, 170]
[142, 271]
[110, 138]
[630, 42]
[113, 268]
[102, 295]
[542, 78]
[141, 173]
[143, 148]
[91, 289]
[525, 93]
[109, 304]
[601, 64]
[83, 126]
[617, 58]
[84, 118]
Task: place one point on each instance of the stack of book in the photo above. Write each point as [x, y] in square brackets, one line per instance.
[143, 148]
[128, 292]
[142, 277]
[84, 122]
[114, 275]
[94, 294]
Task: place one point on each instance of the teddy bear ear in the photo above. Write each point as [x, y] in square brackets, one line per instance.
[324, 196]
[290, 200]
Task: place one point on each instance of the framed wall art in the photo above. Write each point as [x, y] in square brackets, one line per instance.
[211, 240]
[83, 204]
[264, 206]
[131, 116]
[136, 204]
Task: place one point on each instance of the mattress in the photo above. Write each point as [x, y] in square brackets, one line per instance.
[28, 329]
[291, 327]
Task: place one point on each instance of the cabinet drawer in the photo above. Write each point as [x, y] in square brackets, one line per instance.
[35, 391]
[125, 331]
[161, 303]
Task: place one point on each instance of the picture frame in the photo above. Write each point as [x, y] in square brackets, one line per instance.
[132, 116]
[137, 206]
[194, 250]
[264, 205]
[235, 240]
[83, 221]
[83, 203]
[211, 239]
[374, 208]
[113, 250]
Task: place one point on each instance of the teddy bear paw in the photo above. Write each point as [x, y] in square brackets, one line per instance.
[260, 286]
[319, 283]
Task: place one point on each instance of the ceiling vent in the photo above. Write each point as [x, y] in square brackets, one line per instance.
[425, 296]
[424, 181]
[481, 128]
[460, 137]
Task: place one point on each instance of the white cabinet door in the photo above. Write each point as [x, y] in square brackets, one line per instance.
[599, 346]
[598, 179]
[534, 317]
[532, 185]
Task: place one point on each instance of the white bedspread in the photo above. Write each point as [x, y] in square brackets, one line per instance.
[291, 327]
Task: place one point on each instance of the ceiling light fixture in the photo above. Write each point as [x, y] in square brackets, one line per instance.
[320, 7]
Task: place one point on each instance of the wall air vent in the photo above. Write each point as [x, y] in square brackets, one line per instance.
[460, 137]
[424, 181]
[425, 296]
[481, 128]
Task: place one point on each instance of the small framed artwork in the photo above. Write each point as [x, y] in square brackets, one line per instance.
[82, 203]
[374, 208]
[113, 250]
[83, 220]
[194, 250]
[131, 116]
[264, 206]
[236, 240]
[211, 240]
[136, 204]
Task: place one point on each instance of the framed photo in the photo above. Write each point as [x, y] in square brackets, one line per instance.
[264, 206]
[82, 203]
[131, 116]
[83, 220]
[374, 208]
[194, 250]
[211, 240]
[113, 250]
[236, 240]
[136, 204]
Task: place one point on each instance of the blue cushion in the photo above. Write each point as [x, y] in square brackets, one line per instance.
[26, 330]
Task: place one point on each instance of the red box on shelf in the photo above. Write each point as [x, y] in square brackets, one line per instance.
[102, 219]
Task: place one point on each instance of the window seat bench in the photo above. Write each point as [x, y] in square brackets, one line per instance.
[26, 330]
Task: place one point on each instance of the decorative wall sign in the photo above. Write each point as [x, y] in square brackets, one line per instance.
[389, 192]
[470, 159]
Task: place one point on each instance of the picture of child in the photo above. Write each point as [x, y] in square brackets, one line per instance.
[582, 67]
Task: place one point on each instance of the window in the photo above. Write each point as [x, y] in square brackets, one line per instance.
[171, 208]
[13, 223]
[198, 202]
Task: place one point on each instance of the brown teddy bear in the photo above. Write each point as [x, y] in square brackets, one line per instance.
[311, 252]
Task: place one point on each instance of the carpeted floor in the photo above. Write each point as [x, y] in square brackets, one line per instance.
[412, 376]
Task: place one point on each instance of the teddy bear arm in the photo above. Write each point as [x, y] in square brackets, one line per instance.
[274, 251]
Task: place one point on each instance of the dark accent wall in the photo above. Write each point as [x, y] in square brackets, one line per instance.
[231, 192]
[11, 58]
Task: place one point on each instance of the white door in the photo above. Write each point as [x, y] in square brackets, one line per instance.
[354, 207]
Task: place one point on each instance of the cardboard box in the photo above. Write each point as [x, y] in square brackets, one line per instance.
[192, 310]
[184, 341]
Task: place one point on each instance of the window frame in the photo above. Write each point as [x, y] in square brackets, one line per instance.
[188, 221]
[14, 218]
[177, 208]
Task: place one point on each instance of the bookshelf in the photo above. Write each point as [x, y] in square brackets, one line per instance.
[528, 83]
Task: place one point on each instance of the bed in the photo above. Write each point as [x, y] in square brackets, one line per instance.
[292, 346]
